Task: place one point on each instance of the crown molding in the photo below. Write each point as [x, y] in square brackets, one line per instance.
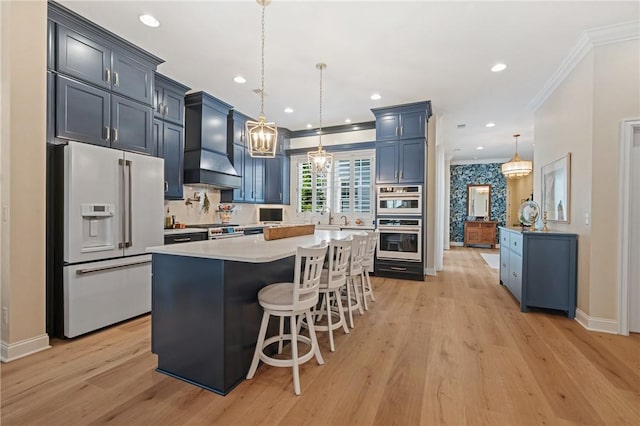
[479, 161]
[588, 39]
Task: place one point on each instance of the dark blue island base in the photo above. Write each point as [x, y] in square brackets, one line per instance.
[205, 316]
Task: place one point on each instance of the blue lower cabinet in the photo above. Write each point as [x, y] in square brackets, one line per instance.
[542, 269]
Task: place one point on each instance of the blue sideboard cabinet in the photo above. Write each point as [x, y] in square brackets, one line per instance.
[540, 268]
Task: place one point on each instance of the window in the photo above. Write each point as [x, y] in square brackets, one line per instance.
[347, 190]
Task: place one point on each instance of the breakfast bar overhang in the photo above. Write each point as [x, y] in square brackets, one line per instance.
[205, 314]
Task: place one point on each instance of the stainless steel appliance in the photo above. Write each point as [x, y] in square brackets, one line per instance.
[113, 210]
[400, 238]
[217, 231]
[399, 200]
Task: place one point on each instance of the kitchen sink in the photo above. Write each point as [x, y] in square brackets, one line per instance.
[328, 227]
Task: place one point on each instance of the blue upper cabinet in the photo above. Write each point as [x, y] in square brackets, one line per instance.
[132, 77]
[103, 87]
[82, 57]
[403, 121]
[401, 132]
[168, 99]
[400, 161]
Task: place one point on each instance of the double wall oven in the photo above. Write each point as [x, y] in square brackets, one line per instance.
[399, 210]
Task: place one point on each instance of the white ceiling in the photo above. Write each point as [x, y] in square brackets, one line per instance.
[406, 51]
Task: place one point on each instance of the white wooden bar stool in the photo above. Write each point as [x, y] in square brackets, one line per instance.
[331, 282]
[367, 266]
[293, 300]
[358, 248]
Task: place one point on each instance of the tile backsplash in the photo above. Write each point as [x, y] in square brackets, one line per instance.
[191, 210]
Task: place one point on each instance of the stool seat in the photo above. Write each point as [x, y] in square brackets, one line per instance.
[279, 297]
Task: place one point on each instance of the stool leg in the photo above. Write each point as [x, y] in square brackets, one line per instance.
[355, 289]
[314, 340]
[341, 311]
[259, 343]
[363, 300]
[366, 271]
[280, 333]
[349, 285]
[329, 321]
[364, 291]
[294, 355]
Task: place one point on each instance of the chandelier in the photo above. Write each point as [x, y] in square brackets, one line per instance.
[517, 167]
[320, 159]
[263, 136]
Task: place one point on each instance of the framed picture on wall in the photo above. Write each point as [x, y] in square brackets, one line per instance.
[556, 188]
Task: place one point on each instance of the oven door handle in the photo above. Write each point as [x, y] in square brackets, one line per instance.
[396, 230]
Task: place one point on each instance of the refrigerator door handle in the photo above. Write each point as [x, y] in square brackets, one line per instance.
[123, 237]
[129, 242]
[108, 268]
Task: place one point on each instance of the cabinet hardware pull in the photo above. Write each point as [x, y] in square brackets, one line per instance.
[396, 268]
[401, 174]
[115, 135]
[166, 186]
[504, 265]
[116, 79]
[107, 73]
[107, 132]
[396, 130]
[395, 174]
[181, 240]
[166, 110]
[108, 268]
[401, 130]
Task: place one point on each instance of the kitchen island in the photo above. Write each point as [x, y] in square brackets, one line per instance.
[205, 315]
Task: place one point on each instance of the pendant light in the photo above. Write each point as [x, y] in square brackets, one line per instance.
[263, 136]
[320, 159]
[517, 167]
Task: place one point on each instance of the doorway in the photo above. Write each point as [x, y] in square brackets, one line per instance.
[629, 229]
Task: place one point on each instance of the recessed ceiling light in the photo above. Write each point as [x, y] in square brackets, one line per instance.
[461, 126]
[490, 124]
[457, 149]
[498, 67]
[149, 21]
[348, 120]
[376, 96]
[288, 110]
[309, 126]
[239, 79]
[480, 148]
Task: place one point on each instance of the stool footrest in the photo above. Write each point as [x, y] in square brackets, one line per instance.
[278, 362]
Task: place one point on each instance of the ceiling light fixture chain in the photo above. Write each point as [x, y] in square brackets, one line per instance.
[263, 136]
[264, 6]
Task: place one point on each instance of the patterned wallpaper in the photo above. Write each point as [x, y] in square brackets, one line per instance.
[461, 176]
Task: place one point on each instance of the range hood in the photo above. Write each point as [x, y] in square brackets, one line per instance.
[207, 157]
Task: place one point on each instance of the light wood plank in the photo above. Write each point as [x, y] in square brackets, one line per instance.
[454, 349]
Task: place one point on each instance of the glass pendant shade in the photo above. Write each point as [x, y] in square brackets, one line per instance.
[262, 138]
[516, 167]
[321, 161]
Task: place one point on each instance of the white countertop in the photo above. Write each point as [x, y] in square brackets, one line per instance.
[250, 248]
[183, 231]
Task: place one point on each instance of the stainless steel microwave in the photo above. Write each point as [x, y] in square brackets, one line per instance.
[399, 200]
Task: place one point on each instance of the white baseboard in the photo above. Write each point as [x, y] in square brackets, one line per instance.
[12, 351]
[455, 244]
[603, 325]
[430, 271]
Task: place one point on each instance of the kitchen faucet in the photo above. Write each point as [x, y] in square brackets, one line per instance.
[345, 220]
[326, 209]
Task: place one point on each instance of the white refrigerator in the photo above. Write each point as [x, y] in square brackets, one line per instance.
[113, 211]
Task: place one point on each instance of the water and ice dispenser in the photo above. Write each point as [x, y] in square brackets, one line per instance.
[97, 227]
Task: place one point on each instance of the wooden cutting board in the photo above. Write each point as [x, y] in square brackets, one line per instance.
[288, 231]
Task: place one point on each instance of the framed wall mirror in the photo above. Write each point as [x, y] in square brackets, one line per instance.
[479, 202]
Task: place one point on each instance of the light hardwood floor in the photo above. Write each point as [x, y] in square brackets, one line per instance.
[454, 349]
